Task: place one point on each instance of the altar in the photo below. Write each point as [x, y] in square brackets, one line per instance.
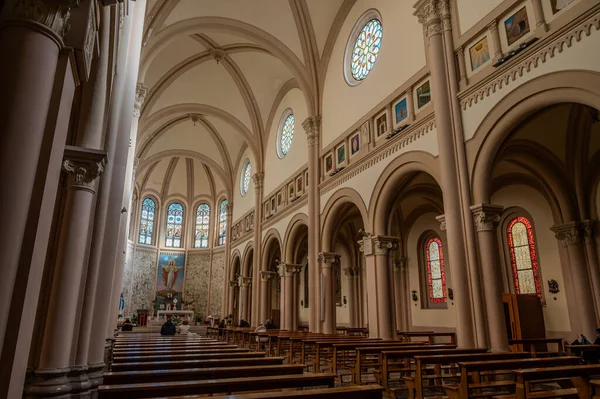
[163, 314]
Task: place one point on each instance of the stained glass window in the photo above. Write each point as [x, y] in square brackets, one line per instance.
[523, 257]
[223, 222]
[436, 276]
[202, 226]
[174, 225]
[246, 175]
[147, 221]
[366, 49]
[287, 135]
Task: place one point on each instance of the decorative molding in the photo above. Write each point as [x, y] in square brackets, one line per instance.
[83, 166]
[327, 259]
[233, 284]
[352, 271]
[486, 216]
[414, 132]
[540, 52]
[589, 230]
[429, 13]
[266, 275]
[244, 281]
[53, 14]
[312, 127]
[140, 96]
[259, 180]
[400, 264]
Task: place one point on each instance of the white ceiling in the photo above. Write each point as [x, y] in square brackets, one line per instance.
[223, 64]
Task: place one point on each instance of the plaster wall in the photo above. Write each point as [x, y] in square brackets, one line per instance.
[580, 55]
[556, 315]
[278, 170]
[365, 182]
[427, 317]
[402, 55]
[472, 11]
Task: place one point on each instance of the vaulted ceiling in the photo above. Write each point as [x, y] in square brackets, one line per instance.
[216, 71]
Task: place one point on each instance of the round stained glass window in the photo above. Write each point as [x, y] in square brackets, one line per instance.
[246, 175]
[366, 49]
[286, 133]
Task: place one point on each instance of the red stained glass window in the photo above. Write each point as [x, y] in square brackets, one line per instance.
[436, 276]
[523, 257]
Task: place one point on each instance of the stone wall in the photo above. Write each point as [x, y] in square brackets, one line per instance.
[217, 283]
[143, 278]
[127, 275]
[197, 277]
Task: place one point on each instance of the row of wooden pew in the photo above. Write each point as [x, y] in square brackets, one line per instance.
[151, 366]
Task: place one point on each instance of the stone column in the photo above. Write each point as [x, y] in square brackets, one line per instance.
[265, 278]
[244, 283]
[352, 274]
[589, 234]
[462, 67]
[226, 303]
[312, 127]
[570, 235]
[31, 38]
[379, 285]
[327, 260]
[288, 273]
[486, 218]
[493, 28]
[538, 13]
[398, 294]
[296, 297]
[259, 179]
[429, 14]
[83, 168]
[231, 299]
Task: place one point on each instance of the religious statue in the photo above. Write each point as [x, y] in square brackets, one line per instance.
[169, 274]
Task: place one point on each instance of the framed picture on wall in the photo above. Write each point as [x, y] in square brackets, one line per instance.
[381, 125]
[279, 199]
[341, 155]
[559, 5]
[267, 209]
[299, 185]
[354, 143]
[291, 191]
[517, 26]
[273, 208]
[423, 95]
[328, 163]
[479, 53]
[400, 109]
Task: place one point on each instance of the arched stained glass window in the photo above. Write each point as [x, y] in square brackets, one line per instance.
[366, 49]
[436, 276]
[223, 222]
[147, 221]
[523, 256]
[202, 226]
[245, 179]
[174, 225]
[286, 134]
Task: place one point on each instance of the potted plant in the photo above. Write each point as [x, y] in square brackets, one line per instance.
[199, 319]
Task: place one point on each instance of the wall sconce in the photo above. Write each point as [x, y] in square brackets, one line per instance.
[414, 296]
[450, 294]
[345, 300]
[553, 287]
[301, 303]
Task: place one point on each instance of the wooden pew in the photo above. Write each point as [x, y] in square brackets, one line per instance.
[211, 354]
[431, 336]
[257, 360]
[147, 376]
[595, 389]
[471, 373]
[174, 349]
[579, 375]
[538, 347]
[400, 361]
[225, 385]
[364, 392]
[429, 369]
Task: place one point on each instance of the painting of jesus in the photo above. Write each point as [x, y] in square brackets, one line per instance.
[170, 273]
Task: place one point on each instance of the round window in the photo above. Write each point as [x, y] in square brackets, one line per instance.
[285, 134]
[245, 178]
[363, 47]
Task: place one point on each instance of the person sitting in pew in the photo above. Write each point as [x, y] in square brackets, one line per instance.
[269, 324]
[127, 325]
[244, 323]
[168, 328]
[184, 328]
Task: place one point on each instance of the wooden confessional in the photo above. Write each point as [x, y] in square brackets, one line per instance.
[524, 320]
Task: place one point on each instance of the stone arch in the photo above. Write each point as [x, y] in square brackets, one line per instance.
[332, 208]
[383, 198]
[574, 86]
[235, 257]
[271, 238]
[247, 259]
[291, 236]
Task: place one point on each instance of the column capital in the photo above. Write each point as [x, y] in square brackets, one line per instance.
[493, 26]
[266, 275]
[352, 271]
[431, 13]
[83, 165]
[291, 269]
[568, 233]
[140, 96]
[378, 245]
[259, 179]
[327, 259]
[589, 229]
[244, 281]
[233, 283]
[54, 14]
[442, 220]
[312, 127]
[486, 216]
